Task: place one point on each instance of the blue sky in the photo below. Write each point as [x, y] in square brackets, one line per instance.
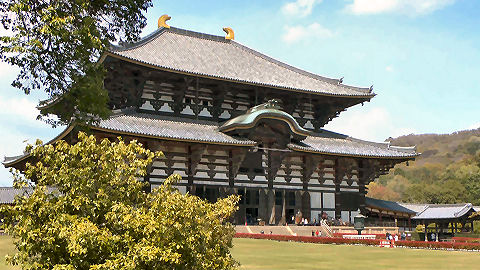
[421, 56]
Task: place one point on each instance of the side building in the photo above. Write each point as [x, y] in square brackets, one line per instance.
[232, 120]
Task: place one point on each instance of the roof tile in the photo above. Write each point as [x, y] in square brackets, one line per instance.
[213, 56]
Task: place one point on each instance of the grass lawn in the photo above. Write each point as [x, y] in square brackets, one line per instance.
[6, 247]
[268, 254]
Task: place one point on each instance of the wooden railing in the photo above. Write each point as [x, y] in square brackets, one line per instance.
[327, 228]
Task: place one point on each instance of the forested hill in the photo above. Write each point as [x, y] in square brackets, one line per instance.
[448, 171]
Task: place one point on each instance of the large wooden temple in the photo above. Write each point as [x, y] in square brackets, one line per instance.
[232, 120]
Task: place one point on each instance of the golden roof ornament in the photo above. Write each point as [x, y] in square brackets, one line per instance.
[230, 35]
[162, 21]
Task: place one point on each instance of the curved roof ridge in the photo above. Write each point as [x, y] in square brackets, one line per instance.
[337, 82]
[384, 145]
[120, 50]
[464, 210]
[268, 110]
[138, 43]
[161, 30]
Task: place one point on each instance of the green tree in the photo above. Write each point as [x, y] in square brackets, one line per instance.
[95, 214]
[56, 45]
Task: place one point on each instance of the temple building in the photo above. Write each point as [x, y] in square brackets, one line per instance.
[230, 120]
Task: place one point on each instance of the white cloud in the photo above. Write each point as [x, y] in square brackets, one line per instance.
[300, 32]
[300, 8]
[474, 126]
[18, 108]
[8, 71]
[18, 126]
[374, 124]
[389, 68]
[411, 7]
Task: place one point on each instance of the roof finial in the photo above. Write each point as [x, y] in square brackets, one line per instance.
[230, 34]
[340, 80]
[162, 21]
[371, 88]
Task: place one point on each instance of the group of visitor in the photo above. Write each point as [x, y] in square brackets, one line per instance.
[395, 237]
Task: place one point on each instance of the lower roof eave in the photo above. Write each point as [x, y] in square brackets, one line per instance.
[60, 136]
[400, 158]
[243, 144]
[442, 218]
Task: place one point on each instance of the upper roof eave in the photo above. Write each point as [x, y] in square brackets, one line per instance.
[207, 76]
[115, 51]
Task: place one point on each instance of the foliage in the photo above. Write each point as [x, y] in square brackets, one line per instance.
[56, 45]
[448, 171]
[95, 214]
[367, 242]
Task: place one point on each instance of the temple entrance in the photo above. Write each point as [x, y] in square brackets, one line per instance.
[290, 207]
[252, 201]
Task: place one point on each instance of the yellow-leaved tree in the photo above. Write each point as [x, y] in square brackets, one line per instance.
[89, 211]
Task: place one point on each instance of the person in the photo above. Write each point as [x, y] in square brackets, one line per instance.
[293, 219]
[313, 233]
[396, 237]
[403, 236]
[317, 233]
[387, 236]
[298, 218]
[305, 222]
[433, 236]
[314, 221]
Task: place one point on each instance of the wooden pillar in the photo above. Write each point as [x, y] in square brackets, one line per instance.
[283, 219]
[436, 231]
[271, 206]
[263, 205]
[197, 110]
[269, 170]
[231, 178]
[410, 223]
[338, 180]
[361, 186]
[321, 204]
[426, 235]
[305, 178]
[306, 205]
[189, 168]
[148, 186]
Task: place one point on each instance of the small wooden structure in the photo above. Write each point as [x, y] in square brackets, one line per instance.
[388, 213]
[446, 218]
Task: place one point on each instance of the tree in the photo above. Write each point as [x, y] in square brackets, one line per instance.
[95, 215]
[56, 45]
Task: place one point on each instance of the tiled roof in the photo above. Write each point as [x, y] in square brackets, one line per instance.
[334, 143]
[417, 208]
[444, 211]
[208, 132]
[387, 205]
[169, 128]
[184, 51]
[8, 194]
[129, 122]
